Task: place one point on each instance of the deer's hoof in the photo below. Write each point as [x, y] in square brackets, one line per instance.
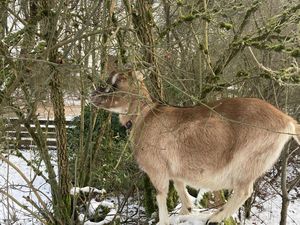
[185, 211]
[211, 223]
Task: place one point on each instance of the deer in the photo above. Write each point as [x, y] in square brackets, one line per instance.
[226, 144]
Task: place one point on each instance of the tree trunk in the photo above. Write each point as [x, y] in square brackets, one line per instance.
[284, 189]
[57, 100]
[3, 18]
[143, 21]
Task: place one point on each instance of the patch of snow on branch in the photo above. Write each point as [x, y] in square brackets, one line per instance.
[77, 190]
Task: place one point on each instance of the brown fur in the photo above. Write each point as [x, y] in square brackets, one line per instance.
[297, 137]
[226, 144]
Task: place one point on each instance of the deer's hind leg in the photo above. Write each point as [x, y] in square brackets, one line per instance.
[184, 197]
[238, 197]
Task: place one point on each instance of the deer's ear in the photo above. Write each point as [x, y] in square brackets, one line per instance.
[114, 77]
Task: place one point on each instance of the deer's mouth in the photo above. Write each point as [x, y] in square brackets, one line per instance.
[107, 101]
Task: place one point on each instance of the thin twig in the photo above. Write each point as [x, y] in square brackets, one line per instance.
[23, 207]
[29, 185]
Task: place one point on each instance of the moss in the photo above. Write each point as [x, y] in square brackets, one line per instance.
[265, 75]
[204, 202]
[213, 79]
[226, 26]
[296, 53]
[255, 2]
[288, 49]
[188, 18]
[215, 10]
[207, 18]
[277, 30]
[172, 198]
[214, 199]
[149, 197]
[201, 47]
[230, 221]
[101, 213]
[295, 78]
[276, 48]
[179, 3]
[242, 74]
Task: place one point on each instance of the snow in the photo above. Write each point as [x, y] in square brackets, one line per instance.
[110, 216]
[266, 209]
[12, 182]
[265, 212]
[94, 205]
[77, 190]
[196, 219]
[107, 204]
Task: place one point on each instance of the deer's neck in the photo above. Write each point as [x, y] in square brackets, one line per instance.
[136, 110]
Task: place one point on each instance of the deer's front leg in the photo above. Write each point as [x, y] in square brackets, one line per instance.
[161, 184]
[161, 198]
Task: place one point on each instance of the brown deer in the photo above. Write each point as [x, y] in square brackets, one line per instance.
[227, 144]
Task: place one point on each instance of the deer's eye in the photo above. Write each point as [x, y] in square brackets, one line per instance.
[106, 88]
[114, 87]
[100, 89]
[109, 88]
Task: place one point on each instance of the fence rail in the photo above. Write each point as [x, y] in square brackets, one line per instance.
[17, 137]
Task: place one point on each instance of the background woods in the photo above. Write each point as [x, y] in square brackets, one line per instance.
[53, 53]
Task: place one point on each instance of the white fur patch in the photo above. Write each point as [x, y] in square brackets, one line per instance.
[119, 110]
[114, 78]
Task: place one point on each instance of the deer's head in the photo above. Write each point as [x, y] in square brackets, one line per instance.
[120, 91]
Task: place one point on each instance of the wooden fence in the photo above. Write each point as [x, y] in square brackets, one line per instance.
[17, 136]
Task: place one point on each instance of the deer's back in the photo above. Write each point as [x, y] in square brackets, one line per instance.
[202, 138]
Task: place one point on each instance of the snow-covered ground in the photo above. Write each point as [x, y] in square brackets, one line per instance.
[266, 211]
[14, 185]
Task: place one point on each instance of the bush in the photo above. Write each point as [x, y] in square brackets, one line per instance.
[113, 149]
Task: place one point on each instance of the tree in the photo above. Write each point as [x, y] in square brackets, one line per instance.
[191, 52]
